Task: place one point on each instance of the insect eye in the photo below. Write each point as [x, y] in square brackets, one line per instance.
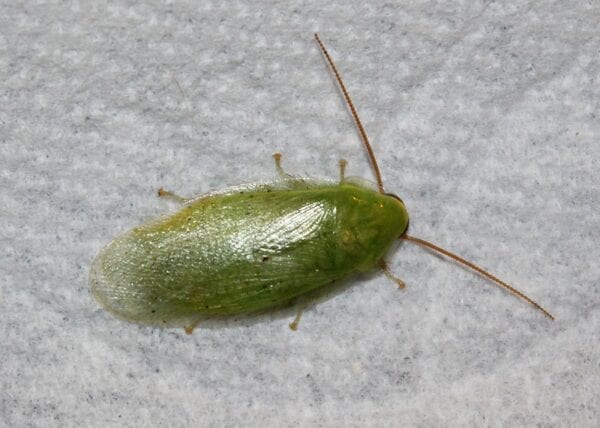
[395, 197]
[406, 228]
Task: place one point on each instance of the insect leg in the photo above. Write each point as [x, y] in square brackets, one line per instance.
[166, 194]
[386, 270]
[284, 175]
[189, 329]
[343, 163]
[294, 324]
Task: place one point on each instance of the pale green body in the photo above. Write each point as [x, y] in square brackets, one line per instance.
[245, 249]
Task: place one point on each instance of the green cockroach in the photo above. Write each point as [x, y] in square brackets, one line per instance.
[254, 247]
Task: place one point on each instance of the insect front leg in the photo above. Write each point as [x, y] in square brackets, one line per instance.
[386, 270]
[162, 193]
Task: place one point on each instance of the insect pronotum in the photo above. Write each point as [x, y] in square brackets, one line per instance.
[257, 246]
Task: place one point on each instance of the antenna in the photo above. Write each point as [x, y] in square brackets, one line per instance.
[359, 125]
[419, 241]
[479, 270]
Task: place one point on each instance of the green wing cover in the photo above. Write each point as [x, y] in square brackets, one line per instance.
[221, 255]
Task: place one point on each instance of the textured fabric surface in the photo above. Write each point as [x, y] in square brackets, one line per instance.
[484, 117]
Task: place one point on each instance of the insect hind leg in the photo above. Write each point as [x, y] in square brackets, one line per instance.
[294, 324]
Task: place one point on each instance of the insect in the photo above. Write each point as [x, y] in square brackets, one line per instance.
[255, 247]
